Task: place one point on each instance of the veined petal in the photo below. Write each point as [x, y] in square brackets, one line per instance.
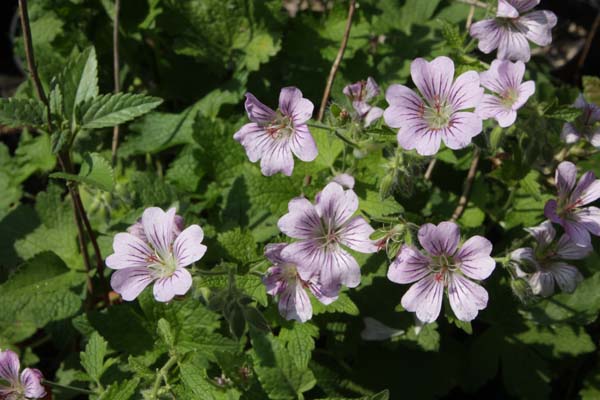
[569, 250]
[424, 298]
[433, 79]
[302, 220]
[294, 303]
[257, 111]
[461, 130]
[409, 266]
[418, 136]
[274, 281]
[569, 133]
[489, 34]
[542, 283]
[566, 276]
[316, 288]
[292, 103]
[177, 284]
[578, 232]
[346, 180]
[550, 212]
[405, 106]
[466, 91]
[130, 282]
[255, 140]
[587, 189]
[539, 26]
[302, 143]
[9, 367]
[466, 297]
[474, 258]
[489, 107]
[187, 247]
[513, 46]
[565, 176]
[31, 379]
[589, 217]
[543, 234]
[373, 115]
[158, 226]
[355, 234]
[130, 251]
[524, 5]
[506, 10]
[526, 90]
[277, 157]
[273, 252]
[441, 239]
[335, 205]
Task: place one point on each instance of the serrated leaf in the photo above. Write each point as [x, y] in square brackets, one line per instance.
[239, 245]
[16, 113]
[95, 171]
[563, 113]
[299, 340]
[79, 80]
[372, 204]
[114, 109]
[92, 359]
[121, 391]
[343, 304]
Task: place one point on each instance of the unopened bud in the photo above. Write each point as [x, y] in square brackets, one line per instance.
[522, 290]
[386, 185]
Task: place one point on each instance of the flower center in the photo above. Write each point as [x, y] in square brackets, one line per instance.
[281, 127]
[509, 97]
[164, 265]
[442, 266]
[438, 115]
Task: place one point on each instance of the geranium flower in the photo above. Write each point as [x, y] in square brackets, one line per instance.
[323, 229]
[504, 79]
[14, 387]
[424, 123]
[346, 180]
[511, 29]
[444, 266]
[360, 94]
[273, 136]
[544, 265]
[283, 280]
[585, 126]
[568, 211]
[160, 258]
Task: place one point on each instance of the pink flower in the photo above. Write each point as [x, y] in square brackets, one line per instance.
[568, 211]
[511, 29]
[504, 79]
[545, 264]
[424, 123]
[160, 256]
[444, 266]
[346, 180]
[273, 136]
[323, 229]
[13, 386]
[284, 281]
[361, 93]
[585, 126]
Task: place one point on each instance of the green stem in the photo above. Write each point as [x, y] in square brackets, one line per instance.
[162, 376]
[321, 126]
[67, 387]
[345, 139]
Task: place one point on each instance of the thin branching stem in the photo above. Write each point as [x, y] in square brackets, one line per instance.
[67, 387]
[475, 3]
[464, 198]
[430, 168]
[337, 61]
[161, 375]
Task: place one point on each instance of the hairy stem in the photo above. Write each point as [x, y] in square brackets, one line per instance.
[67, 387]
[161, 375]
[337, 61]
[117, 75]
[464, 198]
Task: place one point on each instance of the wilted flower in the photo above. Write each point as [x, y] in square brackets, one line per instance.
[14, 387]
[360, 93]
[284, 281]
[544, 265]
[323, 229]
[511, 29]
[585, 126]
[425, 123]
[273, 136]
[444, 266]
[568, 211]
[504, 79]
[160, 258]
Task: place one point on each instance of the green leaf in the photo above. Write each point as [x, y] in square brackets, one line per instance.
[92, 359]
[329, 147]
[259, 50]
[79, 80]
[239, 245]
[563, 113]
[165, 332]
[591, 89]
[591, 386]
[343, 304]
[416, 12]
[16, 113]
[114, 109]
[299, 340]
[372, 204]
[95, 171]
[121, 391]
[196, 382]
[563, 340]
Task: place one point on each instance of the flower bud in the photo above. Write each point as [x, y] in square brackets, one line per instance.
[522, 290]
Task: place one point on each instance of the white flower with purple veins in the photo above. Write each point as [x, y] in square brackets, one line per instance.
[439, 114]
[283, 280]
[568, 210]
[360, 94]
[323, 230]
[444, 266]
[273, 136]
[159, 256]
[505, 80]
[513, 26]
[13, 386]
[585, 126]
[545, 264]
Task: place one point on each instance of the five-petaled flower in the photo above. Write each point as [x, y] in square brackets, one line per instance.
[504, 78]
[273, 136]
[424, 123]
[283, 280]
[545, 264]
[568, 210]
[360, 94]
[13, 386]
[585, 126]
[511, 29]
[159, 256]
[323, 229]
[444, 266]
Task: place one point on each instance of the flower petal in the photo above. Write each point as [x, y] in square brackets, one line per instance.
[336, 205]
[302, 220]
[578, 232]
[489, 106]
[569, 250]
[9, 367]
[31, 379]
[489, 34]
[177, 284]
[355, 234]
[257, 111]
[424, 298]
[441, 239]
[274, 281]
[294, 303]
[466, 91]
[409, 266]
[567, 276]
[187, 247]
[373, 115]
[474, 258]
[277, 157]
[292, 103]
[542, 283]
[550, 212]
[405, 107]
[543, 234]
[273, 252]
[130, 251]
[565, 176]
[346, 180]
[569, 133]
[255, 140]
[506, 10]
[526, 90]
[539, 26]
[130, 282]
[524, 5]
[466, 297]
[158, 227]
[419, 137]
[433, 79]
[513, 46]
[316, 288]
[589, 217]
[303, 144]
[587, 189]
[461, 130]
